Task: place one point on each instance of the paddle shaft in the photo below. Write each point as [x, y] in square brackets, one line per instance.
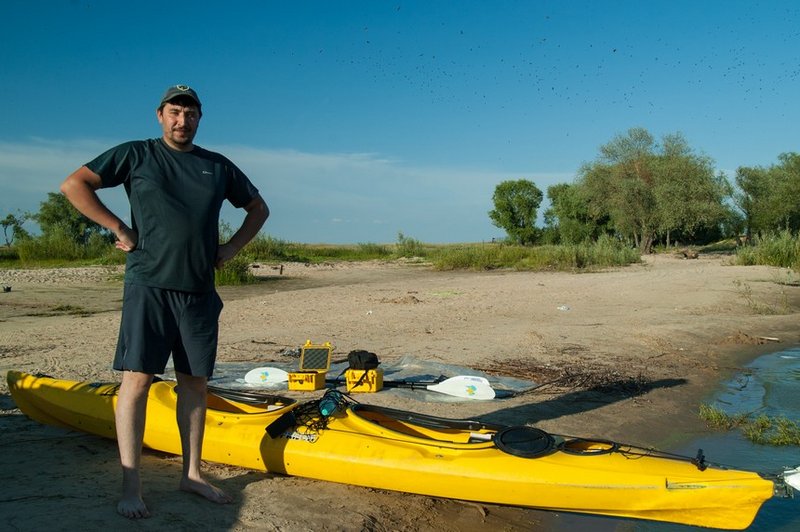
[416, 385]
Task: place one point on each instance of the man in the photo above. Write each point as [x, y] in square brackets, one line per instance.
[170, 306]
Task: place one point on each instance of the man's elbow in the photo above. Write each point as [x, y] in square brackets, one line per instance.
[258, 208]
[70, 186]
[66, 186]
[79, 180]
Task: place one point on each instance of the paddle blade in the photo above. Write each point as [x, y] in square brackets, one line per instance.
[792, 477]
[466, 386]
[266, 375]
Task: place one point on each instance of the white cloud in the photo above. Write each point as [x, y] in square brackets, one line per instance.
[40, 165]
[30, 170]
[313, 197]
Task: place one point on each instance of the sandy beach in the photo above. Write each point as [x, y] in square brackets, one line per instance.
[626, 354]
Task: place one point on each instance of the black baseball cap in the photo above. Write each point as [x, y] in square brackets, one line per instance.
[176, 91]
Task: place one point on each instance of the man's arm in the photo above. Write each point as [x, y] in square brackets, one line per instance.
[257, 214]
[80, 189]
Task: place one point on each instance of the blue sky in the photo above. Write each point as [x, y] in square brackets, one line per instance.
[358, 120]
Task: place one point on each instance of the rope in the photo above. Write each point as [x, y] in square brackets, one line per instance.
[313, 416]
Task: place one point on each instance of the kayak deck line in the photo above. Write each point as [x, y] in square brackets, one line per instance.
[385, 448]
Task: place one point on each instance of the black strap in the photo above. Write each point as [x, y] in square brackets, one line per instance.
[360, 379]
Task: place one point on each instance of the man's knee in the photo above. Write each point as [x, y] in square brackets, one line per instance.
[136, 383]
[190, 384]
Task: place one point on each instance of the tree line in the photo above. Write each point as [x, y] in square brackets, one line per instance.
[648, 193]
[638, 190]
[56, 216]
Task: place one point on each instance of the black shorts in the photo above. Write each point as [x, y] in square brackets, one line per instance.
[157, 322]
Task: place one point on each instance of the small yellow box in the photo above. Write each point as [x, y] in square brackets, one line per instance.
[303, 381]
[358, 382]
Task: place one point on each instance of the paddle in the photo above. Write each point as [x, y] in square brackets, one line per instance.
[464, 386]
[792, 477]
[266, 375]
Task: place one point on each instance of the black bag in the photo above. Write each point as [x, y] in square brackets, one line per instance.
[361, 359]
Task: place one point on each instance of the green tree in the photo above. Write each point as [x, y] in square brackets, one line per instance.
[57, 215]
[651, 191]
[13, 224]
[515, 207]
[620, 184]
[752, 197]
[767, 197]
[569, 217]
[787, 175]
[689, 196]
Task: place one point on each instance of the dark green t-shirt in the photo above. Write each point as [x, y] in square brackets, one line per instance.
[175, 200]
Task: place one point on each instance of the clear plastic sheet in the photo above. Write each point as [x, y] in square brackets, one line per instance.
[407, 369]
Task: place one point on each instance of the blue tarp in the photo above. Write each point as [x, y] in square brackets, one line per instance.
[407, 369]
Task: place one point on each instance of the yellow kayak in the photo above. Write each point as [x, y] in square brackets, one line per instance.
[336, 439]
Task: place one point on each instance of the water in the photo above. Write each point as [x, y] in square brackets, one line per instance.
[770, 385]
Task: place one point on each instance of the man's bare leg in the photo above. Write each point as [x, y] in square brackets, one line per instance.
[191, 413]
[130, 418]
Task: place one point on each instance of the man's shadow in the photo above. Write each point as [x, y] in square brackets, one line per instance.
[575, 402]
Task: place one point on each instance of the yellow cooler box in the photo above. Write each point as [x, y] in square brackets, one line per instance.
[305, 381]
[359, 380]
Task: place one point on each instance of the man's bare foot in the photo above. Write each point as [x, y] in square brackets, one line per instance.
[133, 508]
[205, 489]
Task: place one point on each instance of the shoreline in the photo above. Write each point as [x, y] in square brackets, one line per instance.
[657, 338]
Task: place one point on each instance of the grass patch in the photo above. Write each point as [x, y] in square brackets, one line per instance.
[235, 272]
[445, 294]
[69, 309]
[8, 254]
[718, 419]
[727, 246]
[409, 247]
[766, 430]
[265, 248]
[604, 253]
[775, 249]
[62, 310]
[781, 306]
[762, 430]
[59, 251]
[59, 248]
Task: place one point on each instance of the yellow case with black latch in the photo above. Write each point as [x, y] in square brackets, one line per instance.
[364, 380]
[315, 361]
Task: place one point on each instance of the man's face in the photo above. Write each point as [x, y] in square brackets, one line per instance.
[179, 123]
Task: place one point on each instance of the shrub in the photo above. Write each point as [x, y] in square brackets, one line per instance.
[408, 247]
[604, 253]
[235, 272]
[775, 249]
